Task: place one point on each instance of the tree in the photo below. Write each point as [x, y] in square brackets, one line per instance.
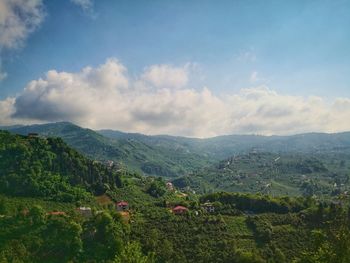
[157, 188]
[61, 240]
[103, 238]
[132, 253]
[37, 215]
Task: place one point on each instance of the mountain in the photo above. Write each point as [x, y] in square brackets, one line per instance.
[137, 154]
[222, 147]
[173, 156]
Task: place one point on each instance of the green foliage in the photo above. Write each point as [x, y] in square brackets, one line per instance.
[332, 243]
[103, 237]
[49, 168]
[132, 253]
[291, 174]
[244, 227]
[256, 203]
[157, 188]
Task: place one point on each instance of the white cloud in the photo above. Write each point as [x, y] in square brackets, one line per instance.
[6, 110]
[18, 18]
[107, 97]
[86, 5]
[165, 76]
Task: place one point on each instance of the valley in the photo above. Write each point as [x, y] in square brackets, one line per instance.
[60, 204]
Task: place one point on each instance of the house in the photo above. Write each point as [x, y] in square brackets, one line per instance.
[179, 210]
[122, 206]
[209, 207]
[170, 186]
[85, 211]
[109, 163]
[57, 213]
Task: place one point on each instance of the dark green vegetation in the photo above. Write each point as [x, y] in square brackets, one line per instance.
[41, 175]
[292, 174]
[171, 156]
[50, 169]
[162, 159]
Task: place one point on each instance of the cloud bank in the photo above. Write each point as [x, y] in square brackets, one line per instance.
[160, 101]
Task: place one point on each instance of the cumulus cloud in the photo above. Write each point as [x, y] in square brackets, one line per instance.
[165, 76]
[6, 110]
[107, 97]
[18, 18]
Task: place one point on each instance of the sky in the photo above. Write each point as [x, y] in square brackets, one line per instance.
[197, 68]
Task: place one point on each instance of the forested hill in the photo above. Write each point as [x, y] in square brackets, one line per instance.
[136, 154]
[41, 180]
[173, 156]
[49, 168]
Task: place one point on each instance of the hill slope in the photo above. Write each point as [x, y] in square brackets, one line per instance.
[172, 156]
[49, 168]
[136, 154]
[276, 173]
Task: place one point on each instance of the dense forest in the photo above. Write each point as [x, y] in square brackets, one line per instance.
[45, 184]
[48, 168]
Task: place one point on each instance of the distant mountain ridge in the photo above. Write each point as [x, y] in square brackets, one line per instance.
[172, 156]
[132, 152]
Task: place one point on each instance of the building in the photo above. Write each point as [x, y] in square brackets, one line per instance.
[170, 186]
[122, 206]
[179, 210]
[85, 211]
[209, 207]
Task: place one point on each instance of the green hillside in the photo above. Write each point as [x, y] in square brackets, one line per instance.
[278, 174]
[49, 168]
[41, 224]
[172, 156]
[137, 155]
[222, 147]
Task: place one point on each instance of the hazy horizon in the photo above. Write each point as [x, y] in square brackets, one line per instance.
[171, 135]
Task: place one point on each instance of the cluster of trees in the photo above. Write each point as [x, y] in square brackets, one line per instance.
[35, 236]
[259, 203]
[49, 168]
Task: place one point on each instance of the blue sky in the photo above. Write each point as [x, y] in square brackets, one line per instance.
[295, 48]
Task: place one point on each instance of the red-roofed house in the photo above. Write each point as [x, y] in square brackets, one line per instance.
[178, 210]
[122, 206]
